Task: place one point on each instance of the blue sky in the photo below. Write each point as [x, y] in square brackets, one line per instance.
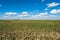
[30, 9]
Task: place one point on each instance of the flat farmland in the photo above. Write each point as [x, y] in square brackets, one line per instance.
[29, 29]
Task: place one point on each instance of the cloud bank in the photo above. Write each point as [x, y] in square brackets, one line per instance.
[27, 16]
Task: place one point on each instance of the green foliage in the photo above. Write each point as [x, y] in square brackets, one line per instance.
[29, 29]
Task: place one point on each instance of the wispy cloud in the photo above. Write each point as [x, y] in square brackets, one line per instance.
[43, 1]
[53, 4]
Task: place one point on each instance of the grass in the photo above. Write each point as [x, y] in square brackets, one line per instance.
[29, 29]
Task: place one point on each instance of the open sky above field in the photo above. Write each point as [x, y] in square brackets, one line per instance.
[30, 9]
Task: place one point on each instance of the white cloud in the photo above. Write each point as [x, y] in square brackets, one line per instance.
[46, 17]
[10, 13]
[55, 11]
[43, 14]
[40, 14]
[24, 14]
[14, 15]
[53, 4]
